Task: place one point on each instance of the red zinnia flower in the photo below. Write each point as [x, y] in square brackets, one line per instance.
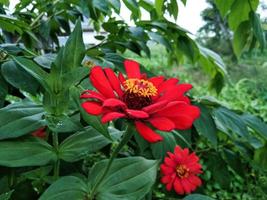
[180, 171]
[155, 101]
[40, 133]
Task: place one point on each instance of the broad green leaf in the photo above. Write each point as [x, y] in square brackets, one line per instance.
[230, 122]
[28, 152]
[74, 76]
[33, 69]
[72, 54]
[160, 149]
[45, 60]
[233, 159]
[116, 4]
[256, 124]
[3, 90]
[205, 125]
[260, 157]
[159, 7]
[160, 39]
[188, 47]
[241, 35]
[240, 12]
[224, 6]
[79, 145]
[68, 187]
[173, 8]
[12, 24]
[128, 178]
[132, 5]
[23, 118]
[19, 78]
[101, 5]
[197, 197]
[257, 29]
[6, 196]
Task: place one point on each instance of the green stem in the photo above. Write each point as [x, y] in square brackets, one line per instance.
[57, 163]
[127, 136]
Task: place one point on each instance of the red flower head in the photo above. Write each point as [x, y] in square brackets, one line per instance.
[180, 171]
[147, 101]
[40, 133]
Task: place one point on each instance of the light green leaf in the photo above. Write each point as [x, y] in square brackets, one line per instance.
[256, 124]
[28, 152]
[197, 197]
[257, 29]
[241, 35]
[159, 7]
[224, 6]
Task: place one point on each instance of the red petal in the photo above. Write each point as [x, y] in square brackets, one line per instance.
[175, 92]
[114, 103]
[137, 114]
[132, 69]
[100, 82]
[166, 170]
[195, 180]
[187, 186]
[182, 122]
[92, 107]
[166, 179]
[166, 84]
[92, 94]
[156, 80]
[155, 107]
[170, 162]
[147, 133]
[178, 186]
[162, 123]
[114, 81]
[111, 116]
[121, 78]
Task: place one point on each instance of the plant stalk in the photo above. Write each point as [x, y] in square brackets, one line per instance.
[126, 137]
[57, 163]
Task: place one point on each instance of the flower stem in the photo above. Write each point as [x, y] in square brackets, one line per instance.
[126, 137]
[57, 163]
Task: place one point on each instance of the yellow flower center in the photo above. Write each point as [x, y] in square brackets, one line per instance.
[140, 87]
[182, 171]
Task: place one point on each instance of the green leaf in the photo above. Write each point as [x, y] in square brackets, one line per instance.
[19, 78]
[205, 125]
[257, 29]
[256, 124]
[197, 197]
[79, 145]
[28, 152]
[240, 12]
[33, 69]
[160, 149]
[6, 196]
[159, 6]
[72, 54]
[68, 187]
[116, 4]
[45, 60]
[128, 178]
[260, 157]
[241, 35]
[224, 6]
[227, 120]
[233, 160]
[101, 5]
[23, 118]
[188, 47]
[132, 5]
[3, 90]
[160, 39]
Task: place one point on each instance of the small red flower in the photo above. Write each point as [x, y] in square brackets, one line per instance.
[180, 171]
[148, 102]
[40, 133]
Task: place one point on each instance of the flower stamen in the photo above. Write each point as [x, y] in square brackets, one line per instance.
[182, 171]
[140, 87]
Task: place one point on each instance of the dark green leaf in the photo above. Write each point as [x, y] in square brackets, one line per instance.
[23, 118]
[68, 187]
[132, 5]
[19, 78]
[3, 90]
[227, 120]
[197, 197]
[257, 29]
[128, 178]
[206, 126]
[30, 152]
[116, 4]
[6, 196]
[79, 145]
[101, 5]
[256, 124]
[241, 35]
[45, 60]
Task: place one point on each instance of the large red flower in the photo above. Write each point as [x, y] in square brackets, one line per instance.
[180, 170]
[148, 102]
